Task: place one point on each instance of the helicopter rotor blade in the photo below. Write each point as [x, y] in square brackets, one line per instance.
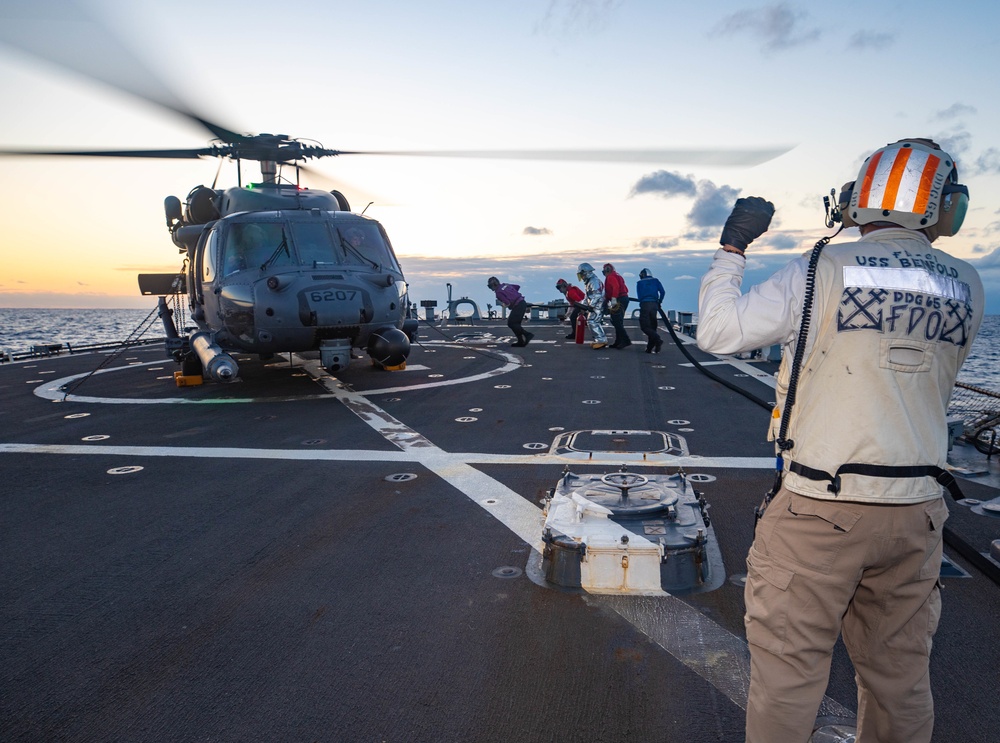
[356, 195]
[65, 34]
[734, 157]
[168, 154]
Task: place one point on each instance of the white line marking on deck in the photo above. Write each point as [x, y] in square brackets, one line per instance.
[705, 647]
[53, 389]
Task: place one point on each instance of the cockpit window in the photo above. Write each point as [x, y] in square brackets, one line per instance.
[252, 245]
[314, 243]
[362, 243]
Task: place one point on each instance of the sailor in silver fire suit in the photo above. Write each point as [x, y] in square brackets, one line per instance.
[851, 540]
[594, 289]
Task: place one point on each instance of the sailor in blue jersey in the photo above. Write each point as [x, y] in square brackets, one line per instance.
[849, 542]
[649, 292]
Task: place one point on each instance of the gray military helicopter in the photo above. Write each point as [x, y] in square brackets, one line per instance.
[272, 267]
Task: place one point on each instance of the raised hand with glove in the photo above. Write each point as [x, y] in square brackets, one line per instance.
[750, 218]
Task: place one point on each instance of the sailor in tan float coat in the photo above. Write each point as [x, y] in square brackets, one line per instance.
[851, 540]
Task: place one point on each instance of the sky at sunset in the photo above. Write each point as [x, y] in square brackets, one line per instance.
[828, 81]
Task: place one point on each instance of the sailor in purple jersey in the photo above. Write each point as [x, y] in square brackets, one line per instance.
[509, 296]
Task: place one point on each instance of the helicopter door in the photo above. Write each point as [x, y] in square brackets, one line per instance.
[202, 271]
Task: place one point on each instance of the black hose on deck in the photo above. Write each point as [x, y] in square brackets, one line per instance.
[712, 375]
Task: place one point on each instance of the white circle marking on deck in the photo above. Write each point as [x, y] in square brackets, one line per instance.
[125, 470]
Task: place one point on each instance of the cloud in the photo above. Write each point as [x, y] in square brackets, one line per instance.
[665, 184]
[979, 249]
[705, 234]
[576, 17]
[956, 143]
[954, 111]
[658, 242]
[713, 205]
[777, 26]
[685, 278]
[988, 163]
[871, 40]
[990, 260]
[782, 242]
[537, 231]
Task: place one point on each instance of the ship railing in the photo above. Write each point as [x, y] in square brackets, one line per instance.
[979, 410]
[42, 350]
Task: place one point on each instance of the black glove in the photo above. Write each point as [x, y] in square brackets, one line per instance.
[750, 219]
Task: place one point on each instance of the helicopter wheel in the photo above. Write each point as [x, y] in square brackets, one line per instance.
[191, 366]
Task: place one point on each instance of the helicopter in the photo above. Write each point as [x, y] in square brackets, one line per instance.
[271, 266]
[274, 267]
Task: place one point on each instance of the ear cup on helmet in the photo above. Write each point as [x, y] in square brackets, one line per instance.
[844, 203]
[954, 207]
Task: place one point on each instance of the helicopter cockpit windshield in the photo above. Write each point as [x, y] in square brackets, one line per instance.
[254, 244]
[308, 243]
[363, 243]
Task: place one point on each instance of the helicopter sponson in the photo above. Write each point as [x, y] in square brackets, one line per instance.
[296, 280]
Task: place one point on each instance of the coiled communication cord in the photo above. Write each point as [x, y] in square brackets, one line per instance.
[782, 440]
[800, 344]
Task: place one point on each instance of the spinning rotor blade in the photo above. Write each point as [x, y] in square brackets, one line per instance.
[64, 34]
[171, 154]
[743, 157]
[357, 196]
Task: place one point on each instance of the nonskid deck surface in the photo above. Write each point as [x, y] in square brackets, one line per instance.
[304, 557]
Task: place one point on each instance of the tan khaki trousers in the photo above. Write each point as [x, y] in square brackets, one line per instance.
[818, 568]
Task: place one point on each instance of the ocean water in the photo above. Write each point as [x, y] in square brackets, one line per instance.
[20, 329]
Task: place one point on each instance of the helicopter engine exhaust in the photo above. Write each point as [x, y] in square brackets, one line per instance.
[217, 364]
[389, 348]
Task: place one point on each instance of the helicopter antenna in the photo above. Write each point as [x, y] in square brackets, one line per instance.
[217, 171]
[366, 208]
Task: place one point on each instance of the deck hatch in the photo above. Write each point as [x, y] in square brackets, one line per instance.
[611, 441]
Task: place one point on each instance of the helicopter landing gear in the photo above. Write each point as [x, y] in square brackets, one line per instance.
[191, 366]
[191, 372]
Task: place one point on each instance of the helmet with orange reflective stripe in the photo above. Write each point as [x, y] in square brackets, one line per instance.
[912, 183]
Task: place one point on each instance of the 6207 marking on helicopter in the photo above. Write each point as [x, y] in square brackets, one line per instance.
[329, 296]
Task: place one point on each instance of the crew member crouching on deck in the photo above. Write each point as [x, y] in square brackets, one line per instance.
[850, 537]
[509, 296]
